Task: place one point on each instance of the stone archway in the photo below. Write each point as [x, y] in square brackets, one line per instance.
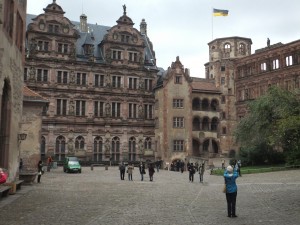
[5, 123]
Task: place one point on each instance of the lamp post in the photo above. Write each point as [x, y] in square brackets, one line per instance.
[21, 137]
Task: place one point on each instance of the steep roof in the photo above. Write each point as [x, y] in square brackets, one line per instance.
[204, 85]
[31, 96]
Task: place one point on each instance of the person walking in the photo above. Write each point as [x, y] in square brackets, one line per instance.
[230, 176]
[40, 171]
[201, 171]
[142, 171]
[182, 166]
[157, 164]
[130, 169]
[223, 163]
[122, 170]
[151, 171]
[191, 170]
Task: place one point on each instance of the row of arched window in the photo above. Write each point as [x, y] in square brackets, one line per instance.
[110, 148]
[205, 104]
[205, 124]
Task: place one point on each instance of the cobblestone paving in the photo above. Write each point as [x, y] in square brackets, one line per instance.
[100, 197]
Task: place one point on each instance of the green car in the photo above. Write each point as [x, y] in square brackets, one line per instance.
[71, 164]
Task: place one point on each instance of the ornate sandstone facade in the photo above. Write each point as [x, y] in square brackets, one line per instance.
[98, 81]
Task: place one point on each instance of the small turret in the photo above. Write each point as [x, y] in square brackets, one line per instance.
[83, 23]
[143, 27]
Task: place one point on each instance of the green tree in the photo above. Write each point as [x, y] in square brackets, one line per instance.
[272, 123]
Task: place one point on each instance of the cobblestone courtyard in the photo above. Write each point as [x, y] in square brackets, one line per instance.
[100, 197]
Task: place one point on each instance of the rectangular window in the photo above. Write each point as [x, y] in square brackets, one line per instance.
[223, 99]
[222, 80]
[99, 80]
[116, 81]
[177, 103]
[275, 64]
[53, 28]
[148, 84]
[61, 107]
[132, 83]
[80, 108]
[116, 109]
[178, 145]
[132, 110]
[43, 45]
[222, 68]
[62, 77]
[125, 38]
[263, 67]
[116, 54]
[98, 109]
[81, 79]
[178, 79]
[132, 56]
[148, 111]
[42, 75]
[178, 122]
[224, 130]
[62, 48]
[289, 60]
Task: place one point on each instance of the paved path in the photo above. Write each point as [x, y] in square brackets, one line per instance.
[100, 197]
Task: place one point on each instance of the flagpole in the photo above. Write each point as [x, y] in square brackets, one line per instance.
[212, 24]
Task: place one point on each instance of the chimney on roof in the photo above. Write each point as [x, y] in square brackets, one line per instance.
[83, 23]
[143, 27]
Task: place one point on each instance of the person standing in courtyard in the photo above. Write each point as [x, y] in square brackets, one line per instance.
[191, 170]
[142, 171]
[130, 169]
[201, 171]
[151, 171]
[40, 171]
[122, 170]
[230, 176]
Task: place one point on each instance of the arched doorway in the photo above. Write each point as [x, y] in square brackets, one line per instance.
[215, 147]
[5, 124]
[196, 147]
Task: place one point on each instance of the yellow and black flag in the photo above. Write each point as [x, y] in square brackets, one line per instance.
[220, 12]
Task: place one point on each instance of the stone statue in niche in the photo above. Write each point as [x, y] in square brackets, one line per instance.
[72, 77]
[141, 111]
[107, 109]
[71, 108]
[32, 73]
[107, 147]
[107, 80]
[141, 84]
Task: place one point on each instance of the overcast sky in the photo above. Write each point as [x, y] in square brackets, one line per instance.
[184, 27]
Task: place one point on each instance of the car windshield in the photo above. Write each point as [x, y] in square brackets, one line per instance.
[73, 162]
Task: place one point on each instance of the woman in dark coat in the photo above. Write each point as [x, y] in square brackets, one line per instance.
[151, 171]
[40, 171]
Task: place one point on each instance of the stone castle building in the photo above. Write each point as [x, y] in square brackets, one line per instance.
[98, 81]
[108, 101]
[12, 48]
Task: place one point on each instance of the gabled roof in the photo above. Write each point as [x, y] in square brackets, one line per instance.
[204, 85]
[31, 96]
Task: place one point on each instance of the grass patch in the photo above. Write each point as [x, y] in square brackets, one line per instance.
[257, 169]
